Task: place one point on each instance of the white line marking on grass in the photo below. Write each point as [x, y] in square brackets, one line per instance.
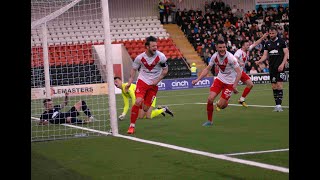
[87, 129]
[196, 94]
[253, 105]
[256, 152]
[217, 156]
[38, 119]
[78, 127]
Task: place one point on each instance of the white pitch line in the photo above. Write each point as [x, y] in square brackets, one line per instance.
[217, 156]
[253, 105]
[256, 152]
[206, 93]
[78, 127]
[38, 119]
[87, 129]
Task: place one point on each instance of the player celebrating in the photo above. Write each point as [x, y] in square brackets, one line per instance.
[227, 80]
[242, 55]
[151, 113]
[153, 67]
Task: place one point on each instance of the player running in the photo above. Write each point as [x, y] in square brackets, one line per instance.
[242, 56]
[227, 80]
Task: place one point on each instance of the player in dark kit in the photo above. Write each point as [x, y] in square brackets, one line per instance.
[277, 52]
[53, 115]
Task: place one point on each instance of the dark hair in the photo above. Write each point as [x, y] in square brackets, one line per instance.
[273, 28]
[220, 42]
[46, 100]
[117, 77]
[243, 41]
[149, 39]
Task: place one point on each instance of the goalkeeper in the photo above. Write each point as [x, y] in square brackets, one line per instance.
[151, 113]
[53, 115]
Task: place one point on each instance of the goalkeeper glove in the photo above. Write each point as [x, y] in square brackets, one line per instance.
[121, 117]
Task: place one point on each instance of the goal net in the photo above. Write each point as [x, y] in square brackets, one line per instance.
[63, 36]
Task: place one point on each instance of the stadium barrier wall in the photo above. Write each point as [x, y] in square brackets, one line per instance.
[263, 78]
[164, 85]
[73, 90]
[186, 83]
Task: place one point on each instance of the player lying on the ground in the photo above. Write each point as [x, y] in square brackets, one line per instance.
[53, 115]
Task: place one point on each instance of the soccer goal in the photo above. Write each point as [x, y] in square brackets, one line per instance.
[63, 36]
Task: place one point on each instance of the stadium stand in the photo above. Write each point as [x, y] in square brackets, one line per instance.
[70, 45]
[203, 29]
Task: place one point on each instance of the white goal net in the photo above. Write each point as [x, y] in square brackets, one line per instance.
[63, 34]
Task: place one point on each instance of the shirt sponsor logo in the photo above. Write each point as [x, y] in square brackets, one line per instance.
[274, 52]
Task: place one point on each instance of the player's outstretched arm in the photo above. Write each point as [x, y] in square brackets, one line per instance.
[203, 74]
[265, 35]
[125, 107]
[132, 75]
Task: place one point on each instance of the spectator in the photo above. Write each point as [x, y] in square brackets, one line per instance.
[194, 70]
[161, 11]
[206, 54]
[179, 17]
[173, 11]
[266, 69]
[247, 67]
[260, 8]
[253, 70]
[234, 9]
[227, 23]
[260, 14]
[208, 60]
[233, 48]
[285, 17]
[166, 12]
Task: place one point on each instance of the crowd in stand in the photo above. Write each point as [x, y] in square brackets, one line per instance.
[220, 21]
[167, 9]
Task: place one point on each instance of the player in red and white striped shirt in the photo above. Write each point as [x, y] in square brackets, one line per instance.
[227, 80]
[242, 55]
[153, 68]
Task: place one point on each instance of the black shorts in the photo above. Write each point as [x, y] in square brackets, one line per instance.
[276, 76]
[62, 117]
